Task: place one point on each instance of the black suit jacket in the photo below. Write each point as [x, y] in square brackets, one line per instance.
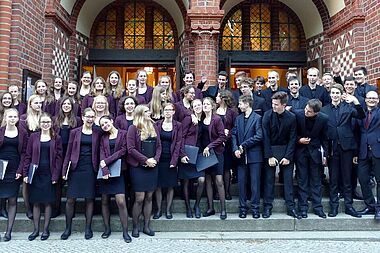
[318, 136]
[320, 93]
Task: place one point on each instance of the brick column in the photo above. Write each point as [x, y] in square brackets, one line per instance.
[205, 19]
[5, 35]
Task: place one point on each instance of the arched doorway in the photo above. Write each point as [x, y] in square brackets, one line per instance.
[257, 36]
[129, 35]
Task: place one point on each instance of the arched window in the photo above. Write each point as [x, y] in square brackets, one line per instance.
[260, 27]
[134, 25]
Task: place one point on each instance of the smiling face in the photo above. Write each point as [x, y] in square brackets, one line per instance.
[86, 79]
[132, 86]
[245, 89]
[66, 106]
[190, 95]
[207, 105]
[58, 83]
[309, 112]
[335, 95]
[114, 79]
[169, 111]
[106, 124]
[142, 77]
[100, 104]
[11, 117]
[359, 76]
[312, 76]
[197, 106]
[222, 81]
[259, 86]
[349, 87]
[243, 106]
[294, 86]
[41, 88]
[7, 100]
[99, 85]
[14, 90]
[164, 81]
[273, 78]
[372, 99]
[72, 89]
[88, 118]
[45, 123]
[129, 105]
[188, 79]
[277, 106]
[36, 104]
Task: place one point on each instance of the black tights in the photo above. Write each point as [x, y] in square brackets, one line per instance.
[37, 216]
[70, 206]
[218, 180]
[201, 182]
[25, 195]
[123, 213]
[12, 209]
[169, 199]
[142, 199]
[227, 181]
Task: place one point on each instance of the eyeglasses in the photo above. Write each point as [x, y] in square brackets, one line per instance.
[45, 122]
[146, 111]
[372, 98]
[168, 110]
[89, 117]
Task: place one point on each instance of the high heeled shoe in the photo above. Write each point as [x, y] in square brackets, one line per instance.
[197, 212]
[189, 213]
[33, 235]
[223, 215]
[66, 234]
[7, 237]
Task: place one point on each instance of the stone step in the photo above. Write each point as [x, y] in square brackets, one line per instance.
[178, 206]
[179, 223]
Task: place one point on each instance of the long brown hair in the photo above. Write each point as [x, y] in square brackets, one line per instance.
[72, 120]
[119, 89]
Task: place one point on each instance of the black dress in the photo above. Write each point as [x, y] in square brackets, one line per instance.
[167, 177]
[144, 179]
[112, 185]
[217, 169]
[42, 190]
[82, 180]
[9, 186]
[65, 134]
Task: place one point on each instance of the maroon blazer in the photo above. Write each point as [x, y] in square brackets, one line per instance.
[22, 144]
[119, 151]
[229, 120]
[73, 149]
[189, 134]
[135, 157]
[121, 122]
[21, 108]
[216, 134]
[176, 145]
[32, 155]
[58, 130]
[49, 107]
[148, 94]
[181, 111]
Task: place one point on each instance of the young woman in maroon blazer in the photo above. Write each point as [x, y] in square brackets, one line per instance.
[72, 91]
[113, 146]
[48, 102]
[98, 87]
[186, 171]
[63, 123]
[16, 95]
[144, 89]
[117, 91]
[228, 112]
[12, 148]
[82, 161]
[132, 90]
[183, 106]
[213, 137]
[159, 97]
[29, 123]
[143, 135]
[44, 151]
[57, 89]
[170, 133]
[127, 106]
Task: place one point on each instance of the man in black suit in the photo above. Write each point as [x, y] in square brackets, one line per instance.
[296, 101]
[312, 89]
[247, 139]
[273, 79]
[212, 91]
[311, 136]
[246, 88]
[369, 154]
[360, 75]
[279, 128]
[342, 144]
[239, 76]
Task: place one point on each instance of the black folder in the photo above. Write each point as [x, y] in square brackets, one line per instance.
[3, 168]
[114, 168]
[32, 170]
[148, 148]
[206, 162]
[192, 153]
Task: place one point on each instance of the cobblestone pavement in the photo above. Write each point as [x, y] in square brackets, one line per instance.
[172, 242]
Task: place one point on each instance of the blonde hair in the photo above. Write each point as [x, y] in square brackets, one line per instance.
[96, 99]
[146, 126]
[32, 117]
[6, 111]
[156, 103]
[48, 96]
[106, 88]
[120, 87]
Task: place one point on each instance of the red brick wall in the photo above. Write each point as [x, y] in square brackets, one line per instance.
[5, 27]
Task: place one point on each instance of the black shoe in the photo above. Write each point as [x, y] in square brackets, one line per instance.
[7, 237]
[267, 213]
[157, 215]
[4, 213]
[293, 213]
[135, 233]
[255, 214]
[33, 235]
[197, 212]
[372, 182]
[169, 215]
[242, 214]
[228, 196]
[66, 234]
[357, 196]
[377, 215]
[29, 215]
[209, 213]
[126, 237]
[88, 233]
[45, 235]
[303, 214]
[106, 233]
[149, 232]
[223, 215]
[189, 213]
[320, 214]
[366, 211]
[351, 211]
[333, 212]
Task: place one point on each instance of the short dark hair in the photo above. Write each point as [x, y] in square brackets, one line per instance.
[315, 104]
[282, 96]
[337, 86]
[246, 99]
[349, 79]
[293, 78]
[189, 72]
[246, 80]
[223, 73]
[260, 79]
[364, 69]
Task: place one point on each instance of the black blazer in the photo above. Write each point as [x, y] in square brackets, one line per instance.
[318, 136]
[320, 93]
[340, 131]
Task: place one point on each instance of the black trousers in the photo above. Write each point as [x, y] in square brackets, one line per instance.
[253, 171]
[340, 170]
[309, 182]
[365, 167]
[269, 181]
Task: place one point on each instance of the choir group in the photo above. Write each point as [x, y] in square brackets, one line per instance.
[104, 138]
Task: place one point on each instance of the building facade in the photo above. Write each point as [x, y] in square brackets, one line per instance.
[61, 38]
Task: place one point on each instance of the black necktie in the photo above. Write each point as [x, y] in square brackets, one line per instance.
[368, 120]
